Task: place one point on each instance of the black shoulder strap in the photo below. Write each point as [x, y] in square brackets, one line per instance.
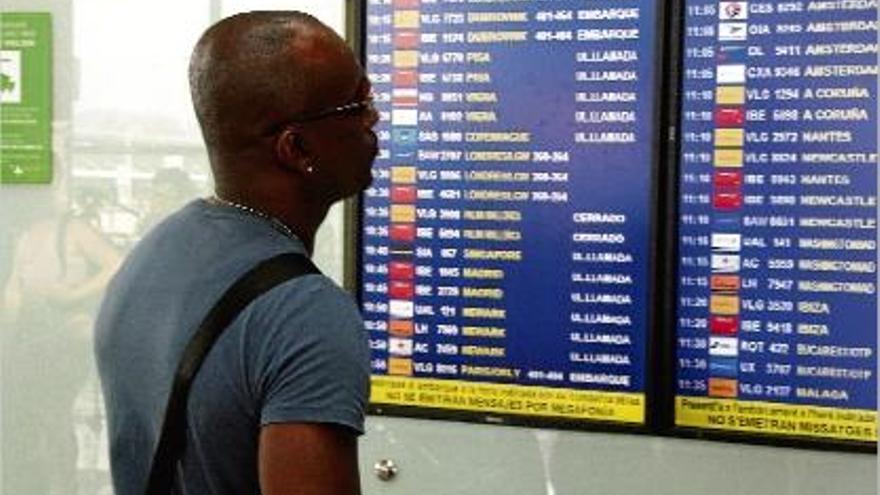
[260, 279]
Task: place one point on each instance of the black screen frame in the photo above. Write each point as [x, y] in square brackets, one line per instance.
[660, 344]
[675, 77]
[359, 11]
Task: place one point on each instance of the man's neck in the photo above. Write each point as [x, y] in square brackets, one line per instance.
[301, 217]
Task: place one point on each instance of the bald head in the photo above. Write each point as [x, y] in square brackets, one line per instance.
[252, 72]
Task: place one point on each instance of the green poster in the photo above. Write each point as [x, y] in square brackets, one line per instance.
[25, 98]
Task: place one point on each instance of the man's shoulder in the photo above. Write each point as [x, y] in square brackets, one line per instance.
[308, 312]
[178, 228]
[219, 243]
[306, 348]
[189, 217]
[309, 296]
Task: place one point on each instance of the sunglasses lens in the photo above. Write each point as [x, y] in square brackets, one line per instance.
[359, 108]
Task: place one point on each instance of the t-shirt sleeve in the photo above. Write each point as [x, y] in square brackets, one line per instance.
[312, 360]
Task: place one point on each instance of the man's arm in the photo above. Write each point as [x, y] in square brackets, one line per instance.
[312, 381]
[308, 459]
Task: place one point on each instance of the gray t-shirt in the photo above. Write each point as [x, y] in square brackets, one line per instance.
[296, 354]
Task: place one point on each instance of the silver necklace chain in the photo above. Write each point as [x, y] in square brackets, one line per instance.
[276, 224]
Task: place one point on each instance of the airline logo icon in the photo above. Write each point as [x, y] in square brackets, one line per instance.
[405, 59]
[400, 347]
[722, 387]
[723, 325]
[731, 74]
[733, 11]
[405, 79]
[404, 97]
[723, 346]
[402, 232]
[401, 328]
[401, 252]
[729, 54]
[725, 263]
[733, 31]
[727, 178]
[406, 19]
[404, 136]
[731, 243]
[399, 289]
[407, 117]
[400, 366]
[727, 200]
[724, 304]
[401, 309]
[406, 40]
[727, 222]
[403, 175]
[730, 117]
[730, 95]
[403, 213]
[403, 194]
[728, 157]
[401, 270]
[730, 138]
[723, 367]
[726, 283]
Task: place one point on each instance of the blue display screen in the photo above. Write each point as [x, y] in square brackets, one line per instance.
[506, 235]
[777, 300]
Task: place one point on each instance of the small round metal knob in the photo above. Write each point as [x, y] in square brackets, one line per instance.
[385, 469]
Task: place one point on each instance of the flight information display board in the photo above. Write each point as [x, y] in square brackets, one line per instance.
[505, 238]
[777, 302]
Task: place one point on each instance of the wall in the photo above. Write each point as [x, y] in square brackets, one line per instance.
[437, 457]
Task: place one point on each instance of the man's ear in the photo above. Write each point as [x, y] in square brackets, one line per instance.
[291, 151]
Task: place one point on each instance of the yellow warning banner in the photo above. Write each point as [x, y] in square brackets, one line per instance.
[509, 399]
[780, 419]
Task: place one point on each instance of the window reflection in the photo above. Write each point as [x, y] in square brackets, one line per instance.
[60, 264]
[128, 154]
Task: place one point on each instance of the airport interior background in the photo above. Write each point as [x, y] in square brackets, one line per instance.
[126, 150]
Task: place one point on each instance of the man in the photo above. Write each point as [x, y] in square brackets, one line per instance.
[286, 114]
